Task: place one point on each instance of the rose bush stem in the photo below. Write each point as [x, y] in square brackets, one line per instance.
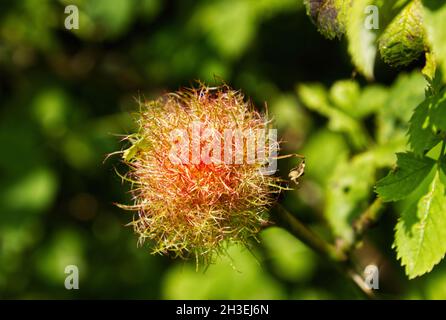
[327, 250]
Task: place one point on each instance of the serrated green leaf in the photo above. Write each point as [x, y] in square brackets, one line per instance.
[435, 24]
[411, 170]
[420, 238]
[403, 40]
[421, 135]
[361, 41]
[438, 111]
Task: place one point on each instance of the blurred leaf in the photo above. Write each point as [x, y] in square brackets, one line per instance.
[323, 150]
[348, 188]
[311, 294]
[372, 99]
[238, 276]
[33, 192]
[435, 24]
[411, 170]
[345, 94]
[436, 287]
[291, 259]
[50, 108]
[288, 114]
[403, 97]
[383, 155]
[315, 97]
[238, 18]
[110, 17]
[220, 18]
[361, 41]
[66, 248]
[420, 238]
[30, 24]
[78, 151]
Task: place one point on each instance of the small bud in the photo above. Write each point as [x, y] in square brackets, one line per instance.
[403, 41]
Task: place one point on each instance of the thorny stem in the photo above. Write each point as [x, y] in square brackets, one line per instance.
[322, 247]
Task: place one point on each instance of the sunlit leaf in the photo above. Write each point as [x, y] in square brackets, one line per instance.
[420, 238]
[411, 170]
[361, 40]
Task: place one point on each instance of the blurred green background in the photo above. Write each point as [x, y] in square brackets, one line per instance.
[65, 100]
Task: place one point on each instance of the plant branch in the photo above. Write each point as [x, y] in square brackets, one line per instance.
[307, 236]
[322, 247]
[367, 219]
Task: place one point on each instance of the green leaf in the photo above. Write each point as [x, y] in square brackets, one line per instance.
[372, 99]
[390, 9]
[421, 135]
[315, 97]
[345, 94]
[407, 92]
[420, 238]
[430, 67]
[349, 187]
[403, 40]
[325, 149]
[347, 192]
[435, 24]
[443, 170]
[361, 41]
[411, 170]
[289, 257]
[438, 111]
[329, 16]
[138, 144]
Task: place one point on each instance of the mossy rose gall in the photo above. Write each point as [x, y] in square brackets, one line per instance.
[201, 166]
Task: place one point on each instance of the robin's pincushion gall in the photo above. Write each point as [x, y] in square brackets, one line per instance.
[195, 185]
